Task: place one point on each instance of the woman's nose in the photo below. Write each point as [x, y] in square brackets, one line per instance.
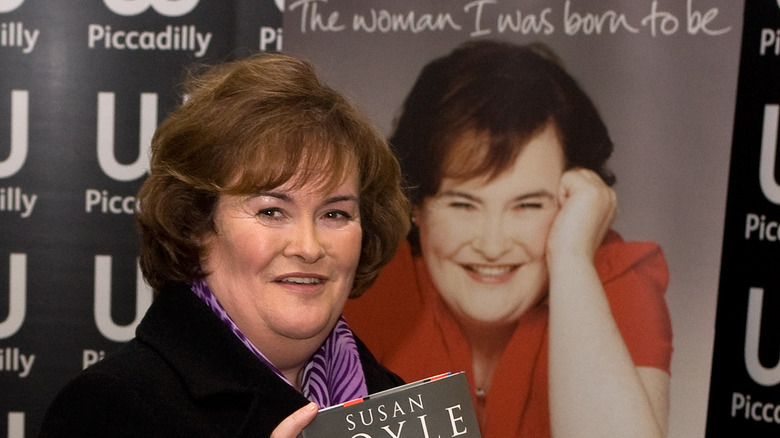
[304, 242]
[490, 239]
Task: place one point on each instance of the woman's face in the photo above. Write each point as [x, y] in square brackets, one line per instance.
[282, 262]
[484, 241]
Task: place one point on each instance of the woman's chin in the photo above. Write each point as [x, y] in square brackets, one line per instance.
[488, 316]
[305, 328]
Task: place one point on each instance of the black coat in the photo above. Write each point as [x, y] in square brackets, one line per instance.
[185, 374]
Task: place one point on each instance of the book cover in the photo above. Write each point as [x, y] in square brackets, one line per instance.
[436, 407]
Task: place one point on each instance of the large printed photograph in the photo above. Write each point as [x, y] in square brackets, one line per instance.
[504, 193]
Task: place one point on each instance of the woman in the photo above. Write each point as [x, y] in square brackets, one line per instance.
[270, 200]
[512, 272]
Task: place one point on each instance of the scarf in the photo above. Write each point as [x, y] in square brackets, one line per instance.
[332, 375]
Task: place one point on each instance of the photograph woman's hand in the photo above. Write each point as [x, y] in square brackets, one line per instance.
[590, 368]
[291, 426]
[587, 208]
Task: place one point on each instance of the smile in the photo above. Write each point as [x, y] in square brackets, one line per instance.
[491, 273]
[491, 270]
[301, 280]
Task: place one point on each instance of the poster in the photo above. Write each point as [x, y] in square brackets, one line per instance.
[663, 75]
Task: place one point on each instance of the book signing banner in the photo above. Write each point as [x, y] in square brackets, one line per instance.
[686, 88]
[744, 395]
[83, 86]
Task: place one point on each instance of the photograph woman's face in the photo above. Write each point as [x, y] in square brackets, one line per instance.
[484, 241]
[283, 261]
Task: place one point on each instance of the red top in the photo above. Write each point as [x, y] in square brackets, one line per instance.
[411, 331]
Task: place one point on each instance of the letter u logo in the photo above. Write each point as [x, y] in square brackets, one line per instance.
[105, 137]
[19, 133]
[103, 320]
[766, 172]
[9, 5]
[169, 8]
[17, 296]
[760, 374]
[16, 425]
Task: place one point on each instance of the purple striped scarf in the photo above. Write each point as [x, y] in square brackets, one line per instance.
[333, 374]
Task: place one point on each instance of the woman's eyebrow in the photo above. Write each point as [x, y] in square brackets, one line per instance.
[286, 197]
[341, 198]
[457, 194]
[522, 197]
[282, 196]
[536, 194]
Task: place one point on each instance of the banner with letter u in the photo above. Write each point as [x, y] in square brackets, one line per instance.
[83, 86]
[744, 396]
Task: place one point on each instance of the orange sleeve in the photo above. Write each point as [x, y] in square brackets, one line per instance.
[635, 276]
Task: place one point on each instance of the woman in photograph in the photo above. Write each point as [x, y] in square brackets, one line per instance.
[512, 271]
[270, 200]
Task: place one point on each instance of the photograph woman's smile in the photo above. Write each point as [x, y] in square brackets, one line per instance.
[484, 238]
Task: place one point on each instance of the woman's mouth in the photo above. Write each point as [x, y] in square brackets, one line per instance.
[490, 273]
[298, 279]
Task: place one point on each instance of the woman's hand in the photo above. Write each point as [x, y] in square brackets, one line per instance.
[291, 426]
[590, 369]
[588, 207]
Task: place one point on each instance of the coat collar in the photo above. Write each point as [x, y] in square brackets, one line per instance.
[203, 351]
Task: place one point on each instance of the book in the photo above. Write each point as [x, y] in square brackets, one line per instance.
[436, 407]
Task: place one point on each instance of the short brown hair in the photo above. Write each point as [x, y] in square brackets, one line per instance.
[504, 92]
[252, 125]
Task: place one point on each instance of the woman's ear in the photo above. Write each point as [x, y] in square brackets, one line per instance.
[415, 214]
[206, 239]
[206, 261]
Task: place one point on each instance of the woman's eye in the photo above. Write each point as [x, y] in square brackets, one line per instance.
[337, 215]
[272, 213]
[461, 205]
[530, 205]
